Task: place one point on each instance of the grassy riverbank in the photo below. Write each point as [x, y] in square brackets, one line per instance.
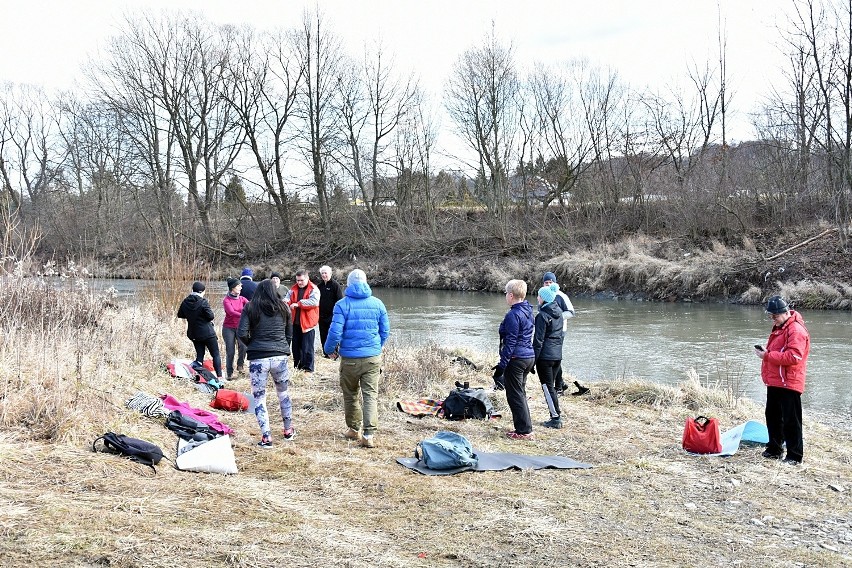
[809, 271]
[321, 500]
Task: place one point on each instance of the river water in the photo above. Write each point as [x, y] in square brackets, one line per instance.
[616, 338]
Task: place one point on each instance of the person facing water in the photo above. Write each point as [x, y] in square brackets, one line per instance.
[359, 330]
[199, 327]
[516, 357]
[266, 328]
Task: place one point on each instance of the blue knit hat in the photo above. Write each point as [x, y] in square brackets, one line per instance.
[547, 294]
[247, 272]
[548, 276]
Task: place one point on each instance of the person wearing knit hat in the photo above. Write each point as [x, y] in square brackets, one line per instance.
[249, 285]
[199, 327]
[564, 302]
[358, 332]
[547, 345]
[233, 303]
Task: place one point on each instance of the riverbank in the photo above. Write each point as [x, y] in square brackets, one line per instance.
[804, 266]
[322, 500]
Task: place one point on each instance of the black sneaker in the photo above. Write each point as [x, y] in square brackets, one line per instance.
[555, 423]
[770, 456]
[289, 433]
[265, 442]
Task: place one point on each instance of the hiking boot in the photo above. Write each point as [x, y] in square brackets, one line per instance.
[265, 442]
[581, 390]
[367, 441]
[289, 433]
[555, 423]
[770, 455]
[352, 434]
[515, 436]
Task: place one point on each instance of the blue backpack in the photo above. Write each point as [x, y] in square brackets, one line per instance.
[446, 450]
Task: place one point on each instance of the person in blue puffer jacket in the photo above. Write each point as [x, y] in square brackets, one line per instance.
[517, 357]
[358, 331]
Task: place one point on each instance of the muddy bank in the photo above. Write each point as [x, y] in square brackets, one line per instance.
[814, 275]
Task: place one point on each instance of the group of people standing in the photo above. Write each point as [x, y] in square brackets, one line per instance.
[267, 328]
[532, 345]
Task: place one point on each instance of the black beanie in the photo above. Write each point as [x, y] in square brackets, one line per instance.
[232, 283]
[198, 287]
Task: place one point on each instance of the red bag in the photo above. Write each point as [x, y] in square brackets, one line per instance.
[701, 435]
[229, 400]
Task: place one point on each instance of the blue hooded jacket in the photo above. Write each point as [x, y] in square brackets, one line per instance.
[516, 334]
[359, 325]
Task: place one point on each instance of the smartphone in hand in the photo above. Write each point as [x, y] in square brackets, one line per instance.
[759, 347]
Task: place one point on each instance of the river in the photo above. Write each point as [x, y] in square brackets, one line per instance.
[617, 338]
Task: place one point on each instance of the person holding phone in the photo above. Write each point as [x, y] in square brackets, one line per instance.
[783, 370]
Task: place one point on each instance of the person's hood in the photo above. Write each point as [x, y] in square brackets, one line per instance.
[524, 307]
[794, 316]
[359, 290]
[193, 302]
[552, 309]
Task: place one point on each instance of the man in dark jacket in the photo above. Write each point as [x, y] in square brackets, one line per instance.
[330, 293]
[516, 357]
[249, 285]
[199, 327]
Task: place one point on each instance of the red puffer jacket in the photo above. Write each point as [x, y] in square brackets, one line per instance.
[787, 355]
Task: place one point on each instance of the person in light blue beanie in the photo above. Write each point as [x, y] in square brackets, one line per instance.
[547, 345]
[564, 302]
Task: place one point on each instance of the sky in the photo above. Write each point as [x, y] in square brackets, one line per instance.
[650, 42]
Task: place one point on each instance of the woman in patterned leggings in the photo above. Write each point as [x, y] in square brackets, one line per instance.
[266, 328]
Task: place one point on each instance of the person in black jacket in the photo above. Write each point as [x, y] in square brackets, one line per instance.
[547, 344]
[199, 327]
[330, 293]
[266, 327]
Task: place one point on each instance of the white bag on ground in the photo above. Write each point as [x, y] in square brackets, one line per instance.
[214, 456]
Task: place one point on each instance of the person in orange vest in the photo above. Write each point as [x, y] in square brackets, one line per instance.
[304, 299]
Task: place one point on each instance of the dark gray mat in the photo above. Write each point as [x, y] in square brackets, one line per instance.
[498, 462]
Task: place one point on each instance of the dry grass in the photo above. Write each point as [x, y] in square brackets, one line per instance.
[321, 500]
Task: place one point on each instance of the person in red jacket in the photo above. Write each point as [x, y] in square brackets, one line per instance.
[304, 300]
[785, 360]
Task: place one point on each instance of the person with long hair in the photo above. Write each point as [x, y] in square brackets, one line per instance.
[266, 327]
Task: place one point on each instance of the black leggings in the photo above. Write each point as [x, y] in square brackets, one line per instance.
[212, 345]
[547, 371]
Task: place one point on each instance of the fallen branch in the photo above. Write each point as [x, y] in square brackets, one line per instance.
[801, 244]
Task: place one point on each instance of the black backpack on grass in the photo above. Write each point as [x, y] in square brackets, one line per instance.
[133, 449]
[188, 428]
[465, 402]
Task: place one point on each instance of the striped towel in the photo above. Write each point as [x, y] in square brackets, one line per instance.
[148, 405]
[422, 407]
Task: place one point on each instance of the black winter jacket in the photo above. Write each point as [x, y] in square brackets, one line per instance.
[269, 337]
[199, 317]
[330, 293]
[547, 341]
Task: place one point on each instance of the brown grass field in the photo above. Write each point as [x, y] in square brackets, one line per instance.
[321, 500]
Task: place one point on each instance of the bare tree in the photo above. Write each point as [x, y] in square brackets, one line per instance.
[266, 75]
[481, 97]
[320, 56]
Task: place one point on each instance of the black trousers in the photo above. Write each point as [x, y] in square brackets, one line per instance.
[784, 422]
[303, 348]
[515, 376]
[212, 345]
[324, 324]
[547, 376]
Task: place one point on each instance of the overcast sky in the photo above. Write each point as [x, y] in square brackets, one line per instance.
[649, 42]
